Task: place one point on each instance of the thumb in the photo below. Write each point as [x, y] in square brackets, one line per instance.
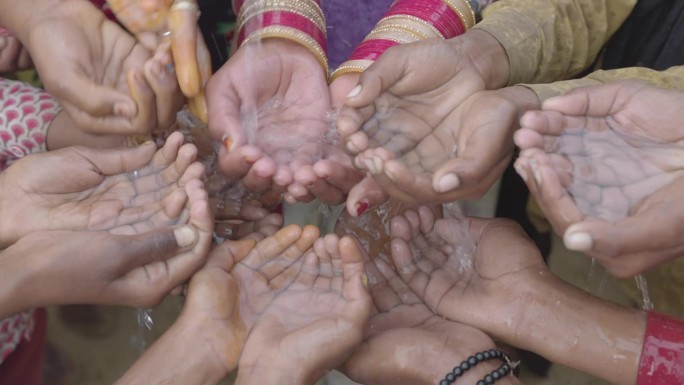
[94, 99]
[183, 24]
[365, 195]
[379, 77]
[153, 246]
[118, 160]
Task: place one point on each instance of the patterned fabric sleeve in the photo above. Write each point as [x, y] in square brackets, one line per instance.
[25, 115]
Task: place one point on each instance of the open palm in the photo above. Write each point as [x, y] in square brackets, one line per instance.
[120, 190]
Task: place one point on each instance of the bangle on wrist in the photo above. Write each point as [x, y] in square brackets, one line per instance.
[662, 350]
[301, 21]
[408, 21]
[470, 362]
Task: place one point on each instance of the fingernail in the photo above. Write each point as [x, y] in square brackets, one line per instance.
[578, 241]
[185, 236]
[364, 280]
[520, 170]
[535, 171]
[361, 208]
[122, 108]
[448, 182]
[227, 143]
[355, 92]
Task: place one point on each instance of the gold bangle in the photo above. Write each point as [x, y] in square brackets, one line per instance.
[311, 12]
[408, 26]
[467, 24]
[308, 9]
[350, 66]
[397, 35]
[292, 34]
[418, 20]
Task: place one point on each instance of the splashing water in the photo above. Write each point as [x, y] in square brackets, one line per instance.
[610, 173]
[145, 323]
[643, 286]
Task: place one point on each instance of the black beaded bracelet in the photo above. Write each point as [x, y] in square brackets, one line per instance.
[473, 360]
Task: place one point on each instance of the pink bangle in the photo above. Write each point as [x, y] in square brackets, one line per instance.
[285, 19]
[662, 356]
[372, 49]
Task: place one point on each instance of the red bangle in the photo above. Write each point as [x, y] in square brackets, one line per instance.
[662, 356]
[371, 49]
[285, 19]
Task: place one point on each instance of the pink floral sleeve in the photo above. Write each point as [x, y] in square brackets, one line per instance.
[25, 115]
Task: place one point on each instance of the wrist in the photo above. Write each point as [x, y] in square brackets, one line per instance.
[525, 99]
[16, 294]
[265, 373]
[487, 55]
[199, 332]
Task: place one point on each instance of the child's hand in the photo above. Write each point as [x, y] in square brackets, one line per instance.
[315, 319]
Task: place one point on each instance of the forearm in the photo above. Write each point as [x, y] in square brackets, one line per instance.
[180, 356]
[14, 292]
[548, 40]
[571, 327]
[672, 78]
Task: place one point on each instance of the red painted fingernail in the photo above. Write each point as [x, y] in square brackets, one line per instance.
[361, 208]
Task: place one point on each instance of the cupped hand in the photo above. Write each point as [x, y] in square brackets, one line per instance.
[151, 22]
[126, 190]
[313, 323]
[603, 164]
[99, 267]
[403, 334]
[107, 82]
[269, 105]
[484, 266]
[413, 127]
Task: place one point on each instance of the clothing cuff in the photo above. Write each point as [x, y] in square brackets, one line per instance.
[662, 352]
[515, 32]
[547, 91]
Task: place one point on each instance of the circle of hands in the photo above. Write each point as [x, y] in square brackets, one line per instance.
[605, 170]
[292, 305]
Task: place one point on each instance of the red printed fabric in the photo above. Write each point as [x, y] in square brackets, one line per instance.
[25, 115]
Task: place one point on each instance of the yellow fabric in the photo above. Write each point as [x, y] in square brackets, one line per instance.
[672, 78]
[549, 40]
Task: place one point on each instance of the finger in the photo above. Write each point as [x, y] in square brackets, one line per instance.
[293, 254]
[168, 98]
[93, 99]
[546, 188]
[224, 113]
[338, 175]
[143, 96]
[226, 254]
[182, 19]
[364, 195]
[383, 74]
[236, 164]
[158, 245]
[332, 242]
[477, 164]
[272, 246]
[308, 274]
[403, 260]
[118, 161]
[591, 101]
[650, 229]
